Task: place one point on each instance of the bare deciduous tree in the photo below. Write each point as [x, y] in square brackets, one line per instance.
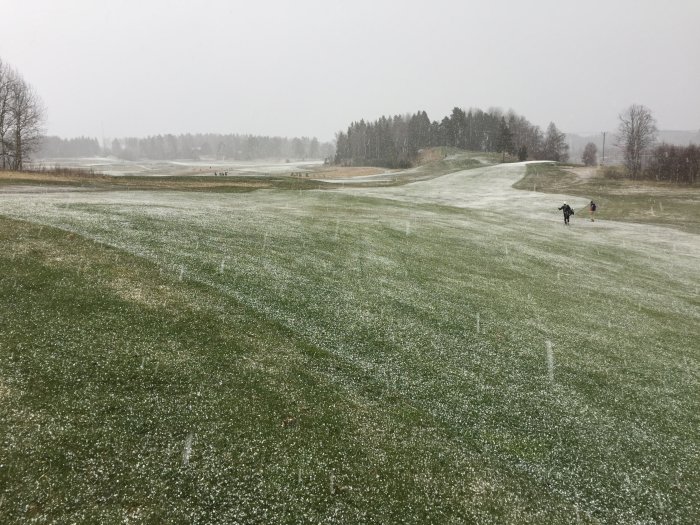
[21, 119]
[27, 115]
[6, 77]
[637, 132]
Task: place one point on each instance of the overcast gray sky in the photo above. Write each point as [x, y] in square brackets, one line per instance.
[310, 67]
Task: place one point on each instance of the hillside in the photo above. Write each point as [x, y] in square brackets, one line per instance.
[439, 351]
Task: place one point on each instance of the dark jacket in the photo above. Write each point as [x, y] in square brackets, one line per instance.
[568, 210]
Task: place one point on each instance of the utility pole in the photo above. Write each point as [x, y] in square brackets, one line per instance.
[603, 161]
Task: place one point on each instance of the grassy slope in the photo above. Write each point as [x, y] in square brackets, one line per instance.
[353, 320]
[446, 160]
[645, 202]
[96, 182]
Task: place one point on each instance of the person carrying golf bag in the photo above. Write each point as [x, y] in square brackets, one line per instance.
[568, 212]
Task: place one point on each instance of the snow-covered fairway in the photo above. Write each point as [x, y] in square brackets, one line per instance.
[449, 352]
[490, 188]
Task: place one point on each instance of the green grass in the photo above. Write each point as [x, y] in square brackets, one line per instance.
[321, 354]
[97, 182]
[647, 202]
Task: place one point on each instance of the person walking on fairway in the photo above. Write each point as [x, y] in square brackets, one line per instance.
[591, 208]
[568, 212]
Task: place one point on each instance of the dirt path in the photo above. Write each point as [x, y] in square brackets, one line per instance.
[585, 173]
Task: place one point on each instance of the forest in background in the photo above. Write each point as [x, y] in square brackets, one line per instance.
[190, 146]
[394, 142]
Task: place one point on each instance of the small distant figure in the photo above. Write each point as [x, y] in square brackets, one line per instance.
[591, 209]
[568, 212]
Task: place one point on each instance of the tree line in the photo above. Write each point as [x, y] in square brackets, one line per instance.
[395, 142]
[21, 118]
[678, 164]
[220, 146]
[190, 146]
[52, 147]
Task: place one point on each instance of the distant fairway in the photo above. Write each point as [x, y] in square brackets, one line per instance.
[444, 351]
